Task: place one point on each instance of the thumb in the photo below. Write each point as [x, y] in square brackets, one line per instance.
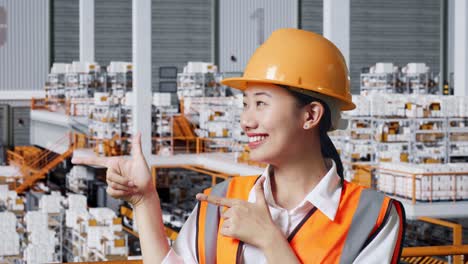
[259, 192]
[136, 145]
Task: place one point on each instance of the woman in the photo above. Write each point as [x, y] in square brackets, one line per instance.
[300, 210]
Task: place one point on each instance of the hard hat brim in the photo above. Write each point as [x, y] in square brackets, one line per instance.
[240, 83]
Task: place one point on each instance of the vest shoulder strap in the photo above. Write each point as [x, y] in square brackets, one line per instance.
[208, 215]
[366, 218]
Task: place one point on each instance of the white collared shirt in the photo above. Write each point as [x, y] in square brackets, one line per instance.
[325, 196]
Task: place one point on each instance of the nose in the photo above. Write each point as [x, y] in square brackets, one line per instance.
[248, 120]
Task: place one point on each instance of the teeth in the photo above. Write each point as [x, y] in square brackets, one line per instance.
[256, 138]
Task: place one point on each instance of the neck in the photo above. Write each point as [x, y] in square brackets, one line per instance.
[294, 179]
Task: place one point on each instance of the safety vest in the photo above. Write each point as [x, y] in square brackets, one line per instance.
[361, 214]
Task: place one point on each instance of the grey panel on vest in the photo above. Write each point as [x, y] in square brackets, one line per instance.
[393, 31]
[363, 222]
[212, 222]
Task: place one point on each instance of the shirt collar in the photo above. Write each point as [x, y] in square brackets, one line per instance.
[325, 195]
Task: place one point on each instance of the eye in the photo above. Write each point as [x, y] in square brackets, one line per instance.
[244, 104]
[260, 103]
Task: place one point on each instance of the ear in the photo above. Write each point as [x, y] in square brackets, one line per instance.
[312, 115]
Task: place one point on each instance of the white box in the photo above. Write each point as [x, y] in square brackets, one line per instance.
[384, 67]
[414, 68]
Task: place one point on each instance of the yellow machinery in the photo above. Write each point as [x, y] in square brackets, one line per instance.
[424, 254]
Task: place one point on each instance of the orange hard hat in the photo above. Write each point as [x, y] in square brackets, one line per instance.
[302, 60]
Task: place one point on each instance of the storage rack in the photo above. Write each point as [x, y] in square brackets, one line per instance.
[380, 83]
[163, 130]
[457, 149]
[414, 78]
[56, 221]
[199, 84]
[391, 139]
[425, 140]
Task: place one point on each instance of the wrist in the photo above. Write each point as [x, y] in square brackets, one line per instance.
[148, 197]
[271, 239]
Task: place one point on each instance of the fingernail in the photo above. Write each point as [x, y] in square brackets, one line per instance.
[131, 184]
[200, 196]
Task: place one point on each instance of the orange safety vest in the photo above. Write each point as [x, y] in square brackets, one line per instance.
[361, 214]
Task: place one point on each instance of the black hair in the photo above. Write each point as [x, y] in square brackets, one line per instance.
[327, 147]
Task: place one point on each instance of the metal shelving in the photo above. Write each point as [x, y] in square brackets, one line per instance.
[437, 142]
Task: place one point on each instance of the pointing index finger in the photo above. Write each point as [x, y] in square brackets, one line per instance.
[97, 161]
[216, 200]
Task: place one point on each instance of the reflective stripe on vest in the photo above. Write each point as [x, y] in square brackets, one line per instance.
[208, 229]
[208, 220]
[363, 222]
[317, 239]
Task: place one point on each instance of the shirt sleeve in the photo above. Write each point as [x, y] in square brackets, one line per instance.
[382, 247]
[183, 249]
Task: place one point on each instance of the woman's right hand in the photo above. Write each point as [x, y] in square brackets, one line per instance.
[127, 178]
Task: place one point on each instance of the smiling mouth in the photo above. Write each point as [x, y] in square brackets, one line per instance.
[256, 141]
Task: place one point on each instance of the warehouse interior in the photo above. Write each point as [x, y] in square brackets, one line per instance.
[80, 78]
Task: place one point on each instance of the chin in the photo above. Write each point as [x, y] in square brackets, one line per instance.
[260, 156]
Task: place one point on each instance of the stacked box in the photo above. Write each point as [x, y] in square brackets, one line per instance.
[10, 199]
[38, 254]
[51, 203]
[363, 106]
[162, 99]
[77, 201]
[36, 220]
[103, 232]
[8, 233]
[43, 236]
[396, 178]
[42, 241]
[391, 152]
[71, 217]
[457, 106]
[392, 105]
[400, 105]
[76, 179]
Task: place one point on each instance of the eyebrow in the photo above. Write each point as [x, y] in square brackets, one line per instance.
[258, 93]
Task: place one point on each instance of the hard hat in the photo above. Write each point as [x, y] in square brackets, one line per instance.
[302, 60]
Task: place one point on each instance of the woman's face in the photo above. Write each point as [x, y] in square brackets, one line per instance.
[272, 121]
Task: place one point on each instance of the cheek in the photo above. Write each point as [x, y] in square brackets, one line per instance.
[270, 119]
[281, 122]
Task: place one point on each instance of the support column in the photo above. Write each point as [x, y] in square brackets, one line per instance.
[87, 30]
[444, 35]
[461, 48]
[142, 89]
[336, 20]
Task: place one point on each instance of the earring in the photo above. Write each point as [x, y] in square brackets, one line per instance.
[306, 126]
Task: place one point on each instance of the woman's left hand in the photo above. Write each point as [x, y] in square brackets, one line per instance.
[247, 222]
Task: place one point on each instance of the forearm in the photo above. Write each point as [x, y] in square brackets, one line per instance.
[277, 250]
[153, 241]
